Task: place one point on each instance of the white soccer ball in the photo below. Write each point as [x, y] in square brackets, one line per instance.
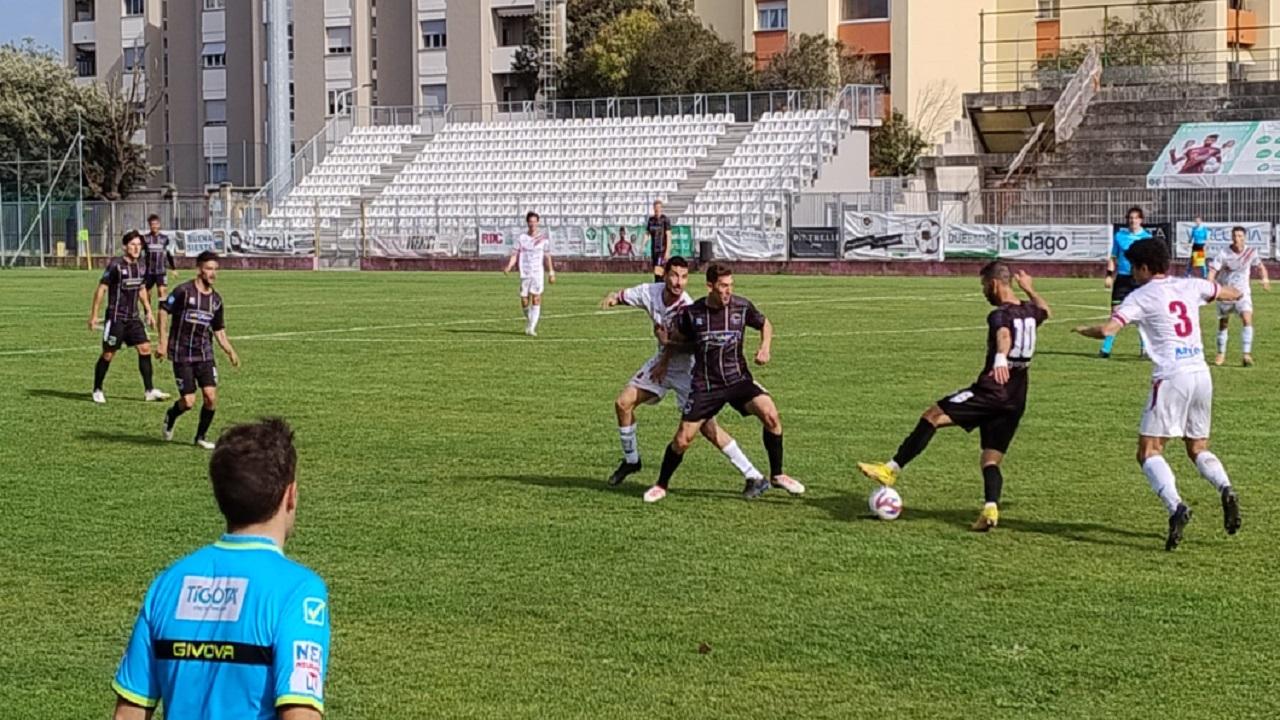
[885, 503]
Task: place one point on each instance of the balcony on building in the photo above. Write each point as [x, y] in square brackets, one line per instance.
[86, 62]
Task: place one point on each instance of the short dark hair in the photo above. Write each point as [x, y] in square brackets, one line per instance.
[205, 257]
[251, 468]
[154, 217]
[677, 261]
[1135, 209]
[996, 270]
[531, 215]
[716, 270]
[1150, 253]
[130, 237]
[1239, 229]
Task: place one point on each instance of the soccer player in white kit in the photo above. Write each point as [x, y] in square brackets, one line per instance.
[1233, 267]
[533, 253]
[1166, 311]
[662, 301]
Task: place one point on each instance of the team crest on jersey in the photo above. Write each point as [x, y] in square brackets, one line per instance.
[698, 322]
[736, 318]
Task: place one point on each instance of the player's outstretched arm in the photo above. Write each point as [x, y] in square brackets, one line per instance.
[1226, 293]
[551, 269]
[1023, 278]
[98, 294]
[1100, 332]
[766, 344]
[225, 343]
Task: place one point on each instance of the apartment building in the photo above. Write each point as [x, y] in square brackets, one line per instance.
[915, 45]
[208, 57]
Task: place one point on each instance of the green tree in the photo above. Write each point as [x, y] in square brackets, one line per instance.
[604, 67]
[815, 61]
[896, 146]
[689, 58]
[1159, 35]
[41, 108]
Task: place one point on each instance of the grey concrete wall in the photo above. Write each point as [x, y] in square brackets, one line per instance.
[398, 53]
[185, 116]
[246, 92]
[470, 26]
[311, 103]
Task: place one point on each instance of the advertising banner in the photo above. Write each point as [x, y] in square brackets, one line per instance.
[193, 242]
[1223, 154]
[270, 242]
[416, 245]
[1055, 242]
[971, 241]
[614, 241]
[749, 244]
[1257, 236]
[892, 236]
[818, 243]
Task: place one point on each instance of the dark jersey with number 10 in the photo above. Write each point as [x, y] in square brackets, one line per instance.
[1021, 320]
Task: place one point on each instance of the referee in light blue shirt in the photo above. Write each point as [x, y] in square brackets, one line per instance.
[235, 630]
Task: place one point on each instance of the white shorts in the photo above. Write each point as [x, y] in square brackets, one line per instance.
[1179, 406]
[531, 286]
[1239, 307]
[679, 380]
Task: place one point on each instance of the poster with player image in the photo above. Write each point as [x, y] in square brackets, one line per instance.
[749, 244]
[1257, 236]
[1223, 154]
[892, 236]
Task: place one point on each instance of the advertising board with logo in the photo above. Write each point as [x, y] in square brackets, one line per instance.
[818, 243]
[749, 244]
[892, 236]
[1257, 236]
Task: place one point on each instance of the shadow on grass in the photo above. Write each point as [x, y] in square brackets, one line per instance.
[59, 394]
[1115, 357]
[119, 437]
[845, 507]
[634, 487]
[1085, 532]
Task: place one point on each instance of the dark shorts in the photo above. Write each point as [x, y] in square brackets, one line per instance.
[118, 333]
[1121, 288]
[658, 262]
[706, 405]
[154, 279]
[994, 414]
[191, 376]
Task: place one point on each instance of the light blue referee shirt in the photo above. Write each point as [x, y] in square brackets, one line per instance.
[232, 631]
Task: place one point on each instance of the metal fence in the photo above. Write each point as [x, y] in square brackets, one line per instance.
[32, 235]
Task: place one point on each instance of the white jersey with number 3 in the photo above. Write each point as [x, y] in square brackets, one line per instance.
[1167, 311]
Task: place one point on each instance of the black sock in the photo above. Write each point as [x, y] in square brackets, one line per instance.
[100, 372]
[773, 446]
[175, 412]
[206, 419]
[670, 461]
[915, 443]
[144, 367]
[992, 482]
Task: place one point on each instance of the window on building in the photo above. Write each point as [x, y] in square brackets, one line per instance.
[435, 95]
[216, 170]
[84, 11]
[772, 15]
[215, 4]
[855, 10]
[134, 7]
[1047, 9]
[86, 62]
[134, 59]
[513, 31]
[339, 100]
[290, 41]
[338, 40]
[214, 55]
[1233, 4]
[215, 112]
[433, 35]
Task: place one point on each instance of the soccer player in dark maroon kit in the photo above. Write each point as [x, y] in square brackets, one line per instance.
[716, 327]
[195, 309]
[122, 285]
[995, 403]
[159, 259]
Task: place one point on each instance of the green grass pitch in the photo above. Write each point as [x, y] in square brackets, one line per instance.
[453, 496]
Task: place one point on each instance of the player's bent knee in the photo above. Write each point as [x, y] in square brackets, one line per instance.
[108, 356]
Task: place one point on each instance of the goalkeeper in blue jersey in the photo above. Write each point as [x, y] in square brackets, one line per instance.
[1198, 266]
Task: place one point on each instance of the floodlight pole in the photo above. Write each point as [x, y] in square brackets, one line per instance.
[279, 127]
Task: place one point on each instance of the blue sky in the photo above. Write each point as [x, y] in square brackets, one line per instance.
[40, 19]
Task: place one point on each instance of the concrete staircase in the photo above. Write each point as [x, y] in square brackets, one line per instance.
[338, 253]
[679, 201]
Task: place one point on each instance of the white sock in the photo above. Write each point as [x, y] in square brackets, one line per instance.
[534, 312]
[1211, 469]
[740, 461]
[894, 466]
[1248, 339]
[1222, 342]
[1160, 475]
[630, 449]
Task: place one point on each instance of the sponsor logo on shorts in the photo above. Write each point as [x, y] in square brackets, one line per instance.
[1188, 353]
[308, 670]
[211, 599]
[961, 397]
